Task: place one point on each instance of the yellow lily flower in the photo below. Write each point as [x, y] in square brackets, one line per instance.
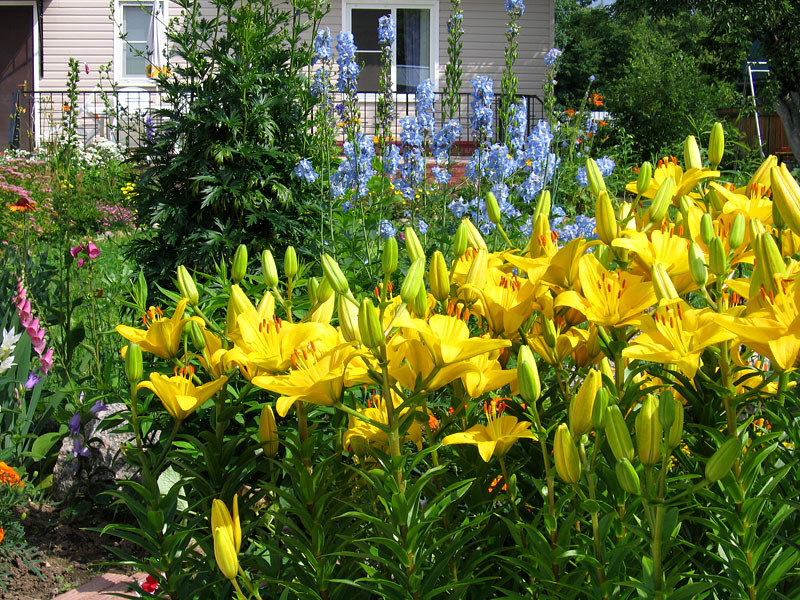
[509, 301]
[162, 336]
[568, 340]
[495, 438]
[488, 375]
[722, 227]
[371, 433]
[755, 206]
[178, 393]
[411, 364]
[608, 298]
[677, 334]
[664, 247]
[685, 181]
[317, 378]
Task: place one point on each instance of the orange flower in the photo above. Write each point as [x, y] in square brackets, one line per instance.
[8, 476]
[2, 534]
[495, 483]
[22, 205]
[570, 113]
[596, 99]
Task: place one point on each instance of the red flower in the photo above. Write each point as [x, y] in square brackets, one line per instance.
[22, 205]
[150, 584]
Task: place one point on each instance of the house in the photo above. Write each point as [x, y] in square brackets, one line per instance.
[38, 37]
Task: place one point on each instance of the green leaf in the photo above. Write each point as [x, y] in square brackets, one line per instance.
[43, 444]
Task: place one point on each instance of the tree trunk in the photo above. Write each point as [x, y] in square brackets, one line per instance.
[788, 108]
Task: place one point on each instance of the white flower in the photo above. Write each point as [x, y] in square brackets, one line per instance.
[7, 364]
[10, 339]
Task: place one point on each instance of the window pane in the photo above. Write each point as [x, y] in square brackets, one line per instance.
[370, 63]
[413, 47]
[136, 20]
[135, 59]
[365, 27]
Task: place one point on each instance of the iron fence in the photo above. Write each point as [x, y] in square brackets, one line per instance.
[127, 117]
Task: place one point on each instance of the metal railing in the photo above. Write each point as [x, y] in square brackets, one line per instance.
[128, 116]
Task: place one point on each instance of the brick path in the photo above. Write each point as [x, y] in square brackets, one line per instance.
[101, 587]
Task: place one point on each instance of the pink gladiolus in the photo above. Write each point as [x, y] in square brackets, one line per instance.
[75, 250]
[80, 262]
[92, 250]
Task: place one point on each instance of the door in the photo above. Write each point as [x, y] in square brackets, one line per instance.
[16, 72]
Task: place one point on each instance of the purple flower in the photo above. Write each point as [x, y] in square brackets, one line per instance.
[32, 380]
[552, 56]
[75, 424]
[75, 250]
[78, 449]
[97, 408]
[92, 250]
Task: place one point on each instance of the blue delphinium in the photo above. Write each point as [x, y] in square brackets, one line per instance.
[391, 159]
[348, 67]
[518, 123]
[482, 113]
[322, 46]
[459, 207]
[441, 175]
[323, 54]
[606, 166]
[425, 111]
[515, 6]
[422, 227]
[356, 169]
[305, 171]
[412, 172]
[386, 229]
[552, 56]
[387, 31]
[444, 138]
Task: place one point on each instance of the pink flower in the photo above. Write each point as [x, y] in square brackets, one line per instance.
[92, 250]
[46, 361]
[80, 262]
[86, 66]
[75, 250]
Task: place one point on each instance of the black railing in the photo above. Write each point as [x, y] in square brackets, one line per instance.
[128, 116]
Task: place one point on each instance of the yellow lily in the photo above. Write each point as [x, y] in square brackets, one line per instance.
[162, 336]
[568, 340]
[411, 364]
[488, 375]
[507, 302]
[227, 534]
[685, 181]
[608, 298]
[317, 378]
[495, 438]
[662, 247]
[755, 206]
[677, 334]
[371, 433]
[178, 393]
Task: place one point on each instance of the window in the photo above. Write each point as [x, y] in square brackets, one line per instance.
[415, 53]
[133, 22]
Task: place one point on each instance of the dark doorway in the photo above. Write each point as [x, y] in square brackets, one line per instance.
[16, 74]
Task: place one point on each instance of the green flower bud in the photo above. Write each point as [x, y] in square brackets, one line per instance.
[662, 200]
[756, 228]
[389, 258]
[334, 275]
[419, 304]
[290, 262]
[369, 324]
[311, 287]
[543, 204]
[460, 240]
[605, 218]
[697, 264]
[269, 271]
[666, 409]
[601, 402]
[549, 332]
[706, 228]
[716, 145]
[595, 178]
[581, 407]
[603, 254]
[565, 453]
[413, 245]
[777, 217]
[439, 277]
[716, 199]
[530, 387]
[691, 154]
[649, 432]
[187, 287]
[492, 208]
[268, 431]
[196, 335]
[627, 477]
[675, 433]
[643, 180]
[348, 319]
[239, 266]
[722, 460]
[717, 260]
[325, 290]
[133, 363]
[662, 283]
[413, 281]
[736, 235]
[617, 434]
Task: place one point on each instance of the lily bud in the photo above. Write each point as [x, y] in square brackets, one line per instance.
[691, 154]
[595, 178]
[675, 433]
[722, 460]
[786, 195]
[777, 217]
[717, 260]
[627, 477]
[311, 287]
[239, 266]
[187, 287]
[601, 402]
[413, 245]
[736, 235]
[389, 258]
[227, 536]
[439, 277]
[706, 228]
[413, 281]
[369, 324]
[581, 407]
[661, 202]
[530, 386]
[334, 275]
[460, 241]
[643, 180]
[549, 332]
[477, 270]
[617, 434]
[716, 199]
[649, 432]
[268, 431]
[325, 290]
[697, 264]
[290, 266]
[269, 271]
[419, 304]
[543, 205]
[568, 463]
[133, 363]
[756, 228]
[225, 554]
[662, 283]
[348, 319]
[606, 370]
[196, 335]
[769, 264]
[603, 254]
[716, 145]
[474, 237]
[666, 409]
[605, 219]
[492, 208]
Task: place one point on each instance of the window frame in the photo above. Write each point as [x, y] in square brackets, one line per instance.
[120, 44]
[431, 5]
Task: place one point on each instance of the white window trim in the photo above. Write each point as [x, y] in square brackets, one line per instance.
[119, 44]
[432, 5]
